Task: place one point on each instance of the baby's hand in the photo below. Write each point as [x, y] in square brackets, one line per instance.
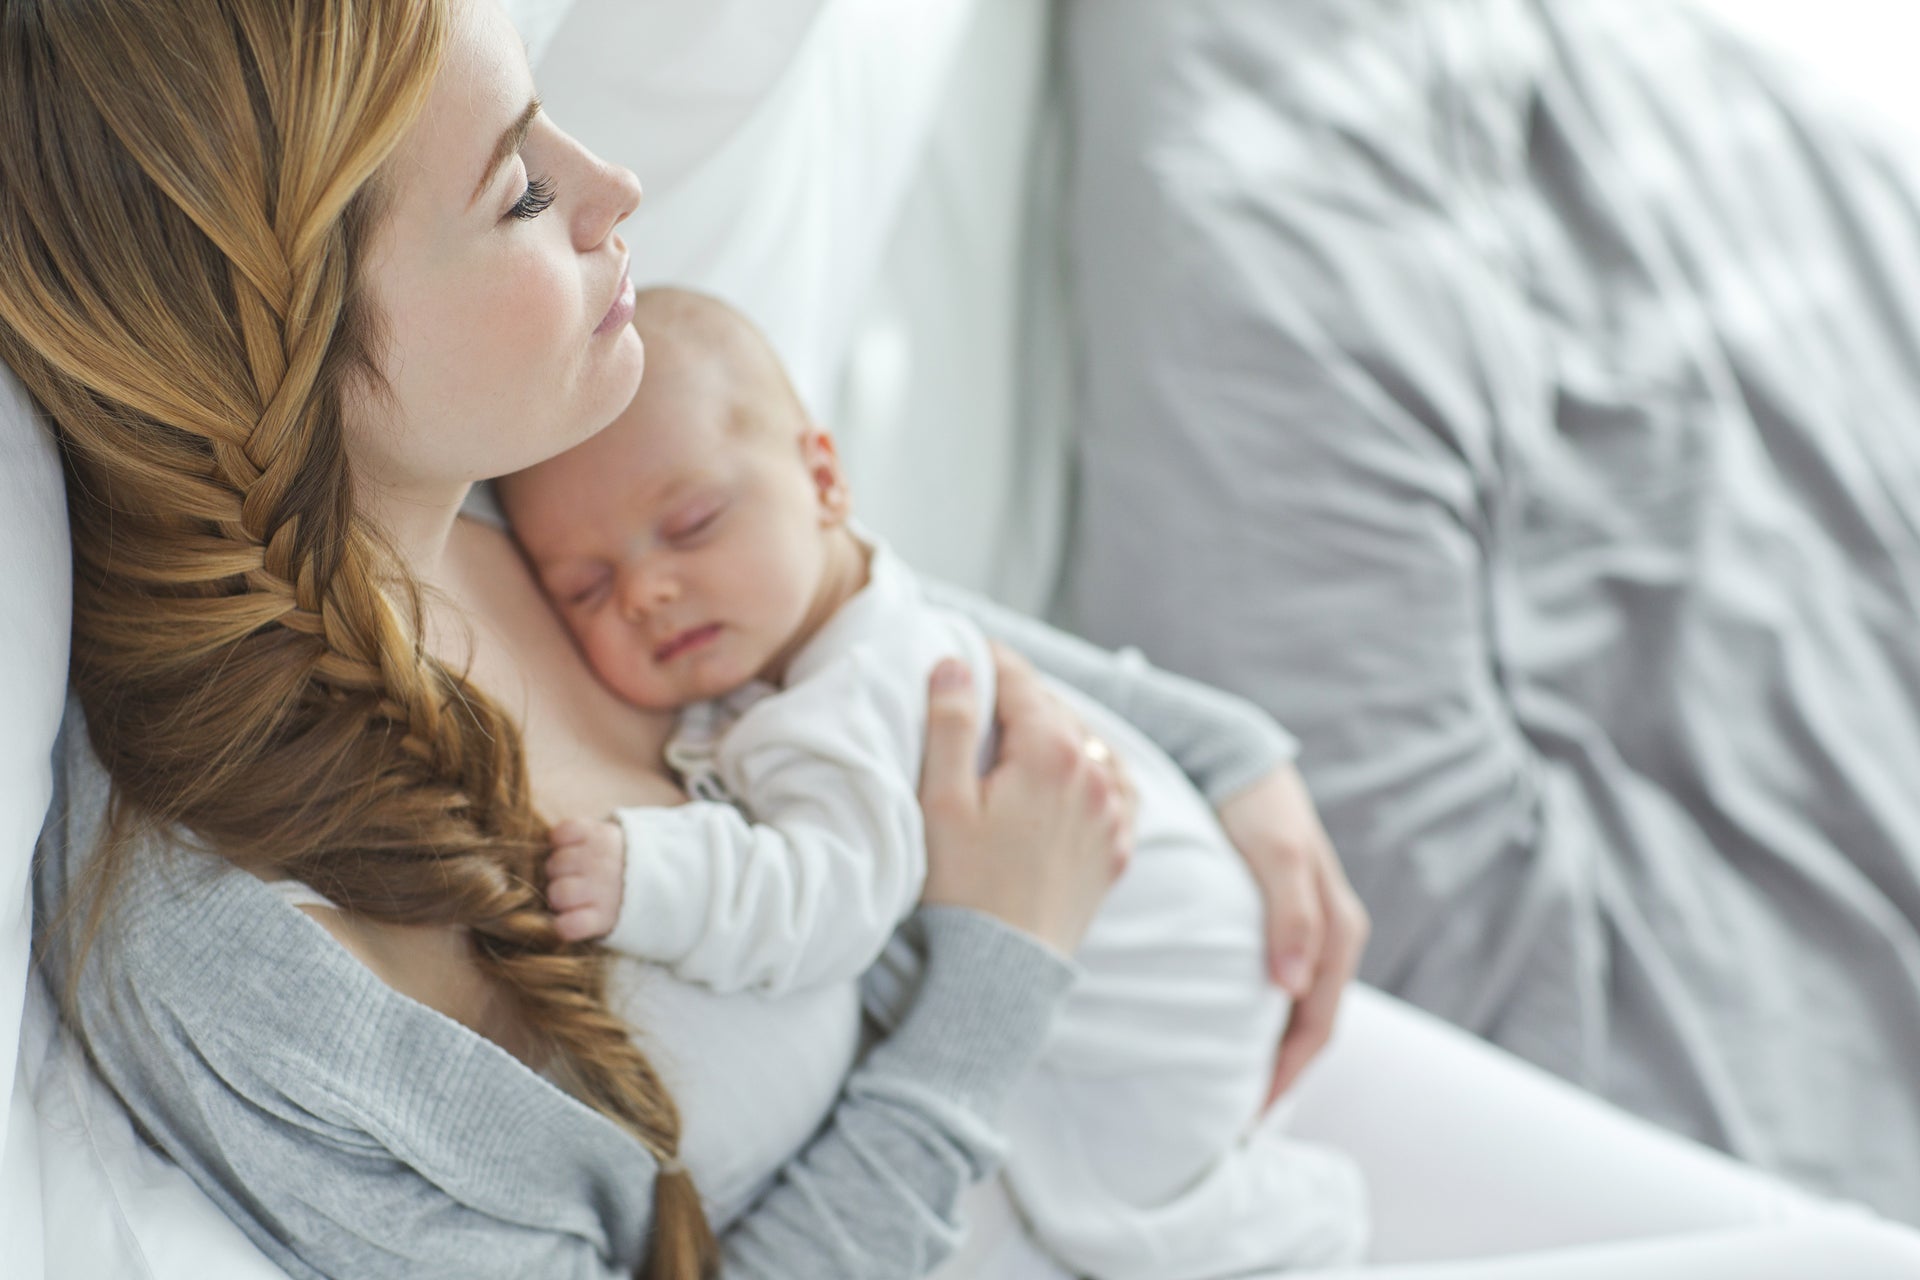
[585, 875]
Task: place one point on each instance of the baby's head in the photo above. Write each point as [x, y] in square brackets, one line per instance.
[700, 540]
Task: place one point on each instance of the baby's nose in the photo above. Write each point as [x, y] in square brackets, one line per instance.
[646, 588]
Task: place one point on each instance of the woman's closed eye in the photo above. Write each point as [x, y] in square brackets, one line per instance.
[536, 200]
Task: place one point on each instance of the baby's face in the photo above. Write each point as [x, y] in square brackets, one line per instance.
[686, 557]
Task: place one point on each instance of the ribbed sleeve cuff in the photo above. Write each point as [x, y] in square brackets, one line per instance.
[1267, 747]
[983, 1011]
[659, 919]
[1223, 742]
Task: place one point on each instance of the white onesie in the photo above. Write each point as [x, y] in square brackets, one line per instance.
[1136, 1150]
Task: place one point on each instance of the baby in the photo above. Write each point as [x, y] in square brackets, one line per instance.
[701, 549]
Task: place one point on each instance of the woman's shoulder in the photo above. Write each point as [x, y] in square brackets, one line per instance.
[291, 1082]
[587, 751]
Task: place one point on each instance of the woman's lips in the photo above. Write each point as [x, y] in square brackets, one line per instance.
[620, 312]
[686, 640]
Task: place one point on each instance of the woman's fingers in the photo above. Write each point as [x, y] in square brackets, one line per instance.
[1295, 922]
[1312, 1021]
[1277, 830]
[1039, 840]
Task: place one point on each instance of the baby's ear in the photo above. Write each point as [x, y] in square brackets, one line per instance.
[829, 483]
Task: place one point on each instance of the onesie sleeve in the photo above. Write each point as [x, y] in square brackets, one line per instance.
[1222, 742]
[809, 889]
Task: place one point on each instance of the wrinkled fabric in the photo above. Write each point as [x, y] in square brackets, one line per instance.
[1520, 400]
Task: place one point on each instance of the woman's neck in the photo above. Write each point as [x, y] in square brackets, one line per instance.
[416, 525]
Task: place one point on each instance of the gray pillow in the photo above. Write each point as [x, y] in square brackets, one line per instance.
[1521, 400]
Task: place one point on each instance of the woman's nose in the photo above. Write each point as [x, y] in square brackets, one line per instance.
[614, 195]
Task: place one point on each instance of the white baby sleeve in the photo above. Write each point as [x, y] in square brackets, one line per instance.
[809, 889]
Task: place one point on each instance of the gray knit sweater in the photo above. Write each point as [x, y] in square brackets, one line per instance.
[353, 1132]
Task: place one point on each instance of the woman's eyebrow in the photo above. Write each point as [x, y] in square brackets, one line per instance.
[510, 142]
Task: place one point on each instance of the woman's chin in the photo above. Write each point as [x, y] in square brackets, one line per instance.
[626, 367]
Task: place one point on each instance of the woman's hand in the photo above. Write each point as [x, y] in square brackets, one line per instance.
[1316, 926]
[1040, 839]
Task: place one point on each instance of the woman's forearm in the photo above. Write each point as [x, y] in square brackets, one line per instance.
[876, 1196]
[1222, 742]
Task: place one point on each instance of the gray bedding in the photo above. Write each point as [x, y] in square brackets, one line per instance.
[1522, 400]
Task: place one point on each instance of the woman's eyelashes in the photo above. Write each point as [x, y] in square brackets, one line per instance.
[535, 201]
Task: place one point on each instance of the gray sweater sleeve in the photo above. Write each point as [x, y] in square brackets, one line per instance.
[1223, 743]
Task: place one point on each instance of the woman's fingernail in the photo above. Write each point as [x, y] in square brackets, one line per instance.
[951, 674]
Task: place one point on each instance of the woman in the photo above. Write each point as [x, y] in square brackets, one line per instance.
[328, 682]
[288, 278]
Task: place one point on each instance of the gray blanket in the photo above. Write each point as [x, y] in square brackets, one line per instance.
[1522, 400]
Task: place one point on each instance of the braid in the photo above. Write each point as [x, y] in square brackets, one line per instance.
[185, 197]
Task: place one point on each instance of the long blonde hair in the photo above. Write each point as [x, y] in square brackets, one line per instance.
[187, 192]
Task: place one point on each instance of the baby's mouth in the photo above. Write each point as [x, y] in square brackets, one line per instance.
[692, 638]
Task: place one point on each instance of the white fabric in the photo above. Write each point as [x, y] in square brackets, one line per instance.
[113, 1208]
[1483, 1168]
[953, 413]
[754, 1077]
[35, 585]
[1130, 1145]
[775, 144]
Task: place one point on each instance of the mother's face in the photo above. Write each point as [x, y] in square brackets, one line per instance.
[502, 288]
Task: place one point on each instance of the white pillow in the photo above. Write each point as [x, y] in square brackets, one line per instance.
[35, 613]
[953, 411]
[776, 143]
[80, 1195]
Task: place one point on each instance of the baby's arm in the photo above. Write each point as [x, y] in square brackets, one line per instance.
[809, 889]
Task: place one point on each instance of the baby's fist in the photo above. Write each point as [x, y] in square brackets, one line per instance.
[585, 874]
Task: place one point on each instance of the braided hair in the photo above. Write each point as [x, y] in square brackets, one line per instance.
[187, 190]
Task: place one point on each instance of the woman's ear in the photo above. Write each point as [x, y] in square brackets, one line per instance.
[829, 484]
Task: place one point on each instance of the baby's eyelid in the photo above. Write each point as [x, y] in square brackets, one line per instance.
[579, 592]
[687, 528]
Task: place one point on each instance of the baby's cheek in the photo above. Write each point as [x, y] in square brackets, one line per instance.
[618, 655]
[609, 652]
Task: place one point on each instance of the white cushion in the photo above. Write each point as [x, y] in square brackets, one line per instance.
[953, 412]
[80, 1195]
[35, 583]
[775, 142]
